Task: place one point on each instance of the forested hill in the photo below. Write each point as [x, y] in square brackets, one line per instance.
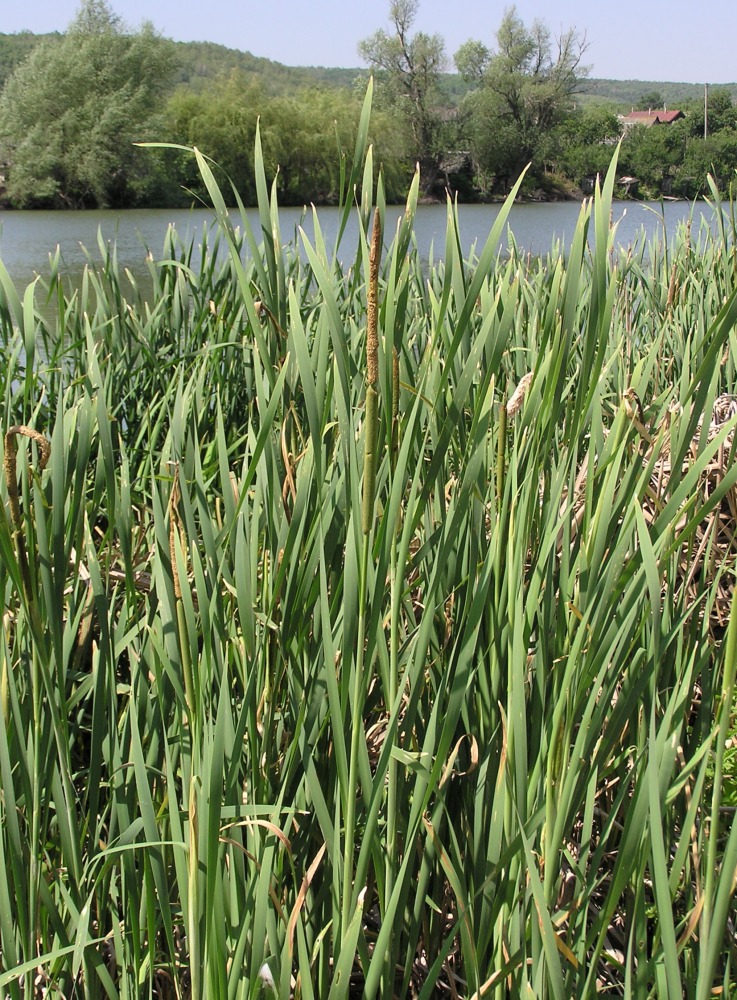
[204, 61]
[635, 92]
[200, 62]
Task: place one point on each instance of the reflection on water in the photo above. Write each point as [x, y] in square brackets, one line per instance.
[28, 238]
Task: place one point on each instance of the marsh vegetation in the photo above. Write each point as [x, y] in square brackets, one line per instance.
[366, 627]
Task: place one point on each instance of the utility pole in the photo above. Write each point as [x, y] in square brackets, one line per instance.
[706, 108]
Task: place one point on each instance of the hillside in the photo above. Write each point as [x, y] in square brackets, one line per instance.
[198, 62]
[629, 93]
[15, 48]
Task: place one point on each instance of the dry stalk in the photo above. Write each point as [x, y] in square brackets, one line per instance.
[518, 396]
[11, 482]
[715, 538]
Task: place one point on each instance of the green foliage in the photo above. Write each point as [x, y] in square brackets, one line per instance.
[524, 92]
[715, 156]
[70, 113]
[721, 113]
[628, 94]
[221, 121]
[648, 154]
[15, 49]
[651, 99]
[677, 159]
[410, 67]
[472, 60]
[94, 17]
[583, 143]
[303, 138]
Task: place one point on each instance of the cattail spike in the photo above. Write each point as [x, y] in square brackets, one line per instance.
[11, 480]
[372, 334]
[371, 426]
[370, 459]
[10, 467]
[175, 532]
[672, 287]
[518, 396]
[20, 430]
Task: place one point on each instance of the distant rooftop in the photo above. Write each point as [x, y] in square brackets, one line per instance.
[650, 117]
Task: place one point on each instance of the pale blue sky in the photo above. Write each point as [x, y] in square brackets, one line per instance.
[676, 41]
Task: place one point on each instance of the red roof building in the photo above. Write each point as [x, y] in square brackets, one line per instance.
[650, 117]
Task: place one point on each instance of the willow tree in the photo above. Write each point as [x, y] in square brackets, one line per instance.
[70, 114]
[410, 66]
[524, 90]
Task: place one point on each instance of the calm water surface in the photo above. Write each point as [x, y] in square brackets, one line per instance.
[27, 238]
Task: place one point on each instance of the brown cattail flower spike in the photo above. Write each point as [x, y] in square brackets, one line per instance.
[370, 458]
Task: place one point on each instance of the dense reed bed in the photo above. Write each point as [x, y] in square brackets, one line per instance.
[366, 625]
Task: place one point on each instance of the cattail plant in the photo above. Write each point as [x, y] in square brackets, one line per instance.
[370, 461]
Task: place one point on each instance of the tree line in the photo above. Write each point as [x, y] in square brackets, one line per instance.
[76, 107]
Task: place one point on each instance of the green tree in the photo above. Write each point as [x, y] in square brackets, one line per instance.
[524, 90]
[220, 119]
[302, 136]
[410, 68]
[70, 114]
[472, 61]
[715, 155]
[585, 142]
[722, 114]
[652, 100]
[653, 155]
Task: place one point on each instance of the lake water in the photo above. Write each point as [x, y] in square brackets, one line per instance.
[27, 238]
